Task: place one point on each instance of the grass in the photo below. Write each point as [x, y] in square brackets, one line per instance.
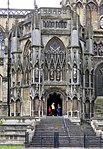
[99, 105]
[10, 147]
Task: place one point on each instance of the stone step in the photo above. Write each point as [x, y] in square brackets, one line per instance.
[74, 137]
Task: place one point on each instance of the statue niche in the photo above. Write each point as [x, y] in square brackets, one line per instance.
[36, 73]
[58, 74]
[51, 74]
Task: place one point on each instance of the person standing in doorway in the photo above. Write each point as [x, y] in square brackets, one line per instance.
[59, 110]
[53, 108]
[49, 111]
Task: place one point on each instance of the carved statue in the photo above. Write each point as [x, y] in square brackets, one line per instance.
[51, 74]
[36, 73]
[58, 74]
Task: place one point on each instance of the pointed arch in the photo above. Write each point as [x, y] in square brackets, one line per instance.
[99, 80]
[27, 47]
[26, 56]
[79, 9]
[87, 108]
[55, 42]
[92, 12]
[55, 55]
[12, 104]
[75, 104]
[18, 107]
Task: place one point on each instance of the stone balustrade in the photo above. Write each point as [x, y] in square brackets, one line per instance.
[97, 126]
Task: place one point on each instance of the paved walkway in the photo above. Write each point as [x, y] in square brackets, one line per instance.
[55, 148]
[50, 148]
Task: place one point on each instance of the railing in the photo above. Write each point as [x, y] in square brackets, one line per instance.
[92, 141]
[67, 129]
[21, 12]
[55, 140]
[53, 11]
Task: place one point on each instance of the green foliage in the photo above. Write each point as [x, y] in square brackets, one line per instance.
[99, 105]
[82, 121]
[1, 121]
[10, 147]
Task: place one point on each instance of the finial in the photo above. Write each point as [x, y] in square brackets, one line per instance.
[8, 13]
[35, 6]
[8, 3]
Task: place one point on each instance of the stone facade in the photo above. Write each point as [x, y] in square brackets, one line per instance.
[55, 55]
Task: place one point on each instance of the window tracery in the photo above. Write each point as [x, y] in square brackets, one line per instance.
[26, 58]
[92, 13]
[98, 49]
[54, 59]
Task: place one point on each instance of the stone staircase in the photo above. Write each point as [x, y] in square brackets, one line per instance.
[50, 132]
[76, 134]
[53, 131]
[91, 139]
[61, 132]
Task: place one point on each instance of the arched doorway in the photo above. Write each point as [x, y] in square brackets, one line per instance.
[56, 99]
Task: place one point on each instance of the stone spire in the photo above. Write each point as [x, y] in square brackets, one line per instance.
[35, 6]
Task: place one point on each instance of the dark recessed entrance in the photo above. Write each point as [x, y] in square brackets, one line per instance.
[54, 98]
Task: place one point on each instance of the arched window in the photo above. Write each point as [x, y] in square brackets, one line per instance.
[18, 107]
[99, 82]
[92, 13]
[26, 59]
[12, 108]
[79, 8]
[87, 78]
[55, 55]
[2, 45]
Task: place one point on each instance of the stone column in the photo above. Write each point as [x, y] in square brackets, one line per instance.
[14, 108]
[30, 106]
[71, 108]
[42, 108]
[21, 109]
[90, 110]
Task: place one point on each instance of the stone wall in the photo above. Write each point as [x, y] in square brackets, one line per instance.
[12, 130]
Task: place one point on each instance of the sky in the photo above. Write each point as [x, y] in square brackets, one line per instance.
[29, 4]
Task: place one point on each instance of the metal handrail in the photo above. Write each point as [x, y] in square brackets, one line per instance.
[67, 129]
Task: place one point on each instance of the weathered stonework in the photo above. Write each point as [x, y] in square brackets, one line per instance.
[56, 56]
